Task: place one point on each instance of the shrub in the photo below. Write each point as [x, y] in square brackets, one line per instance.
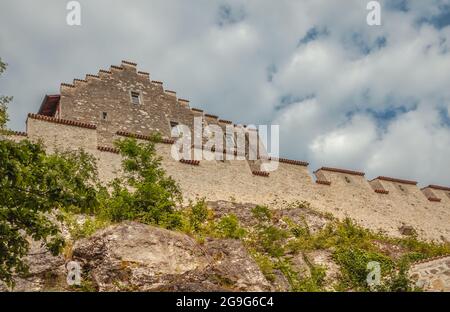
[228, 227]
[262, 213]
[144, 193]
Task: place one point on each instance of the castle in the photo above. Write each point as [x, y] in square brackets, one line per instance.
[124, 102]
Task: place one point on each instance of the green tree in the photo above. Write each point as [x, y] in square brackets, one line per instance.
[144, 193]
[33, 186]
[4, 100]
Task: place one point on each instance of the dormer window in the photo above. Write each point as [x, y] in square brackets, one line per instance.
[135, 97]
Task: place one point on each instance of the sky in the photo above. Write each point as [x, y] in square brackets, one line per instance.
[344, 94]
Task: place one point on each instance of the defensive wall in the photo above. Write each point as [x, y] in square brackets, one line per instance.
[76, 119]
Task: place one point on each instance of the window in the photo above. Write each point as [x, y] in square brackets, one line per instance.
[135, 97]
[174, 128]
[347, 179]
[104, 115]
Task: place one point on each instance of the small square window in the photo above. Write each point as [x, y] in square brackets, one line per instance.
[104, 115]
[135, 97]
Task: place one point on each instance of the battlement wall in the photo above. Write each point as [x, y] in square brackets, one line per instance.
[346, 193]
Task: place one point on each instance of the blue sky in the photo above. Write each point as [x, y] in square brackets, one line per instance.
[345, 94]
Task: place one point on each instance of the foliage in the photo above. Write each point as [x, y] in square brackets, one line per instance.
[228, 227]
[262, 213]
[144, 193]
[4, 100]
[83, 228]
[197, 215]
[352, 247]
[33, 185]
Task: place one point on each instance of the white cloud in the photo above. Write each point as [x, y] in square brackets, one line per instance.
[336, 103]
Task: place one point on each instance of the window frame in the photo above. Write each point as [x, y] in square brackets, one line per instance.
[133, 96]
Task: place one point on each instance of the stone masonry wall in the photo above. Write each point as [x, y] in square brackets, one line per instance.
[432, 275]
[346, 195]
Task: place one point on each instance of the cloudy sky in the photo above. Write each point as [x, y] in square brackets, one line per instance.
[345, 94]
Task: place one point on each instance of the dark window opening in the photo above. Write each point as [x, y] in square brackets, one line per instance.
[174, 128]
[135, 97]
[104, 115]
[347, 179]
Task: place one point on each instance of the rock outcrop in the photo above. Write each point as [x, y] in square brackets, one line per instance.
[136, 257]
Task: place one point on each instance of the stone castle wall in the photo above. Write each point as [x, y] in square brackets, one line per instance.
[384, 203]
[344, 194]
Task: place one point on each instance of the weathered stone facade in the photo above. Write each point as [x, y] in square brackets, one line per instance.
[75, 119]
[432, 275]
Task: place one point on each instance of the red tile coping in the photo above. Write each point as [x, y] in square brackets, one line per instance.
[211, 116]
[63, 84]
[62, 121]
[143, 73]
[293, 162]
[93, 76]
[287, 161]
[324, 182]
[434, 199]
[190, 162]
[105, 71]
[261, 173]
[225, 121]
[380, 191]
[143, 137]
[13, 132]
[438, 187]
[117, 67]
[197, 110]
[129, 63]
[170, 91]
[79, 80]
[183, 100]
[358, 173]
[108, 149]
[157, 82]
[395, 180]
